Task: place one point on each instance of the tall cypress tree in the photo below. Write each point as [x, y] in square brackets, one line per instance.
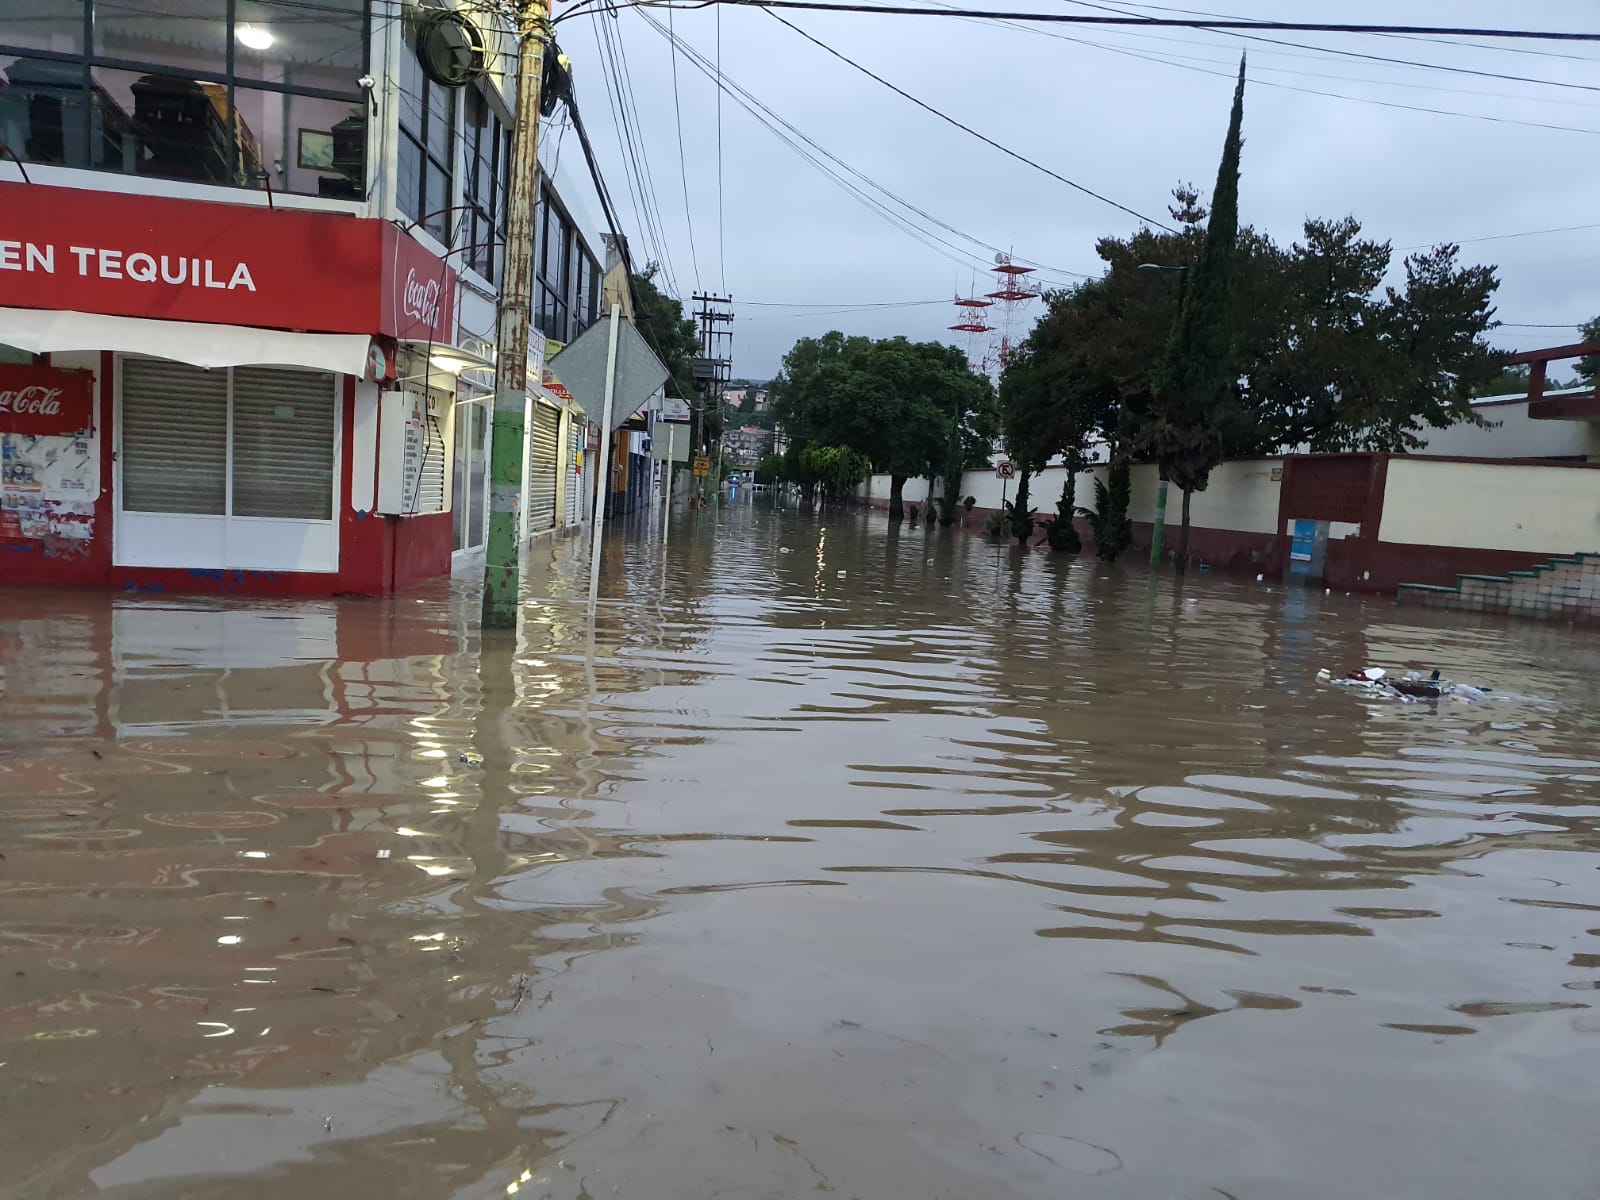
[1196, 384]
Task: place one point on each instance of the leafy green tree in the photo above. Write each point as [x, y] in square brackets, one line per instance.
[1196, 391]
[1589, 367]
[1113, 531]
[773, 468]
[891, 400]
[1053, 401]
[1021, 512]
[835, 470]
[973, 428]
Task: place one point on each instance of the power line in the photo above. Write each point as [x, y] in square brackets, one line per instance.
[901, 10]
[1498, 237]
[722, 249]
[683, 165]
[923, 104]
[607, 208]
[793, 137]
[1381, 58]
[1406, 37]
[1516, 325]
[1289, 87]
[1256, 60]
[840, 304]
[621, 51]
[639, 188]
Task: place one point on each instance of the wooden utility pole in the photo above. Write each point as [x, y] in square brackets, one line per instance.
[712, 368]
[502, 579]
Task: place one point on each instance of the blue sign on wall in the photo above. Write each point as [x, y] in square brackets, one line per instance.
[1302, 550]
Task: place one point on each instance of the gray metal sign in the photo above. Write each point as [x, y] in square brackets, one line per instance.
[581, 367]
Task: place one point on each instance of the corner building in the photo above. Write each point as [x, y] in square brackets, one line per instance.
[249, 263]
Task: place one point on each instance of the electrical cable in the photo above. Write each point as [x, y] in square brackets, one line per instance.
[683, 162]
[789, 135]
[637, 173]
[607, 207]
[905, 10]
[1195, 12]
[638, 134]
[923, 104]
[632, 172]
[1231, 74]
[1498, 237]
[722, 255]
[1406, 62]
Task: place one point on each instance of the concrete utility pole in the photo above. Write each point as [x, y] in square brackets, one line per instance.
[501, 574]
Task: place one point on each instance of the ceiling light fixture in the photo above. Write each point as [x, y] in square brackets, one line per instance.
[254, 36]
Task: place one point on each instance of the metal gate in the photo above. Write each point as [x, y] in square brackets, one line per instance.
[543, 459]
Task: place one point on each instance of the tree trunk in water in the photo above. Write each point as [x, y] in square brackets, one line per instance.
[952, 500]
[1021, 523]
[1183, 536]
[897, 485]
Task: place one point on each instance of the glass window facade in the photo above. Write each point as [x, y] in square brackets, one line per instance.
[488, 173]
[566, 275]
[427, 150]
[245, 93]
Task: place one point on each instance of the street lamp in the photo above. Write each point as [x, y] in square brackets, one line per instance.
[1161, 488]
[1181, 272]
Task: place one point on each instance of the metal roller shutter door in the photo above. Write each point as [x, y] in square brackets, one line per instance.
[283, 443]
[544, 456]
[174, 438]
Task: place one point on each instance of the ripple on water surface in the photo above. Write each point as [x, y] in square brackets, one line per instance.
[960, 873]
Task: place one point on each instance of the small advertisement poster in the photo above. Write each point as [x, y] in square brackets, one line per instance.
[48, 487]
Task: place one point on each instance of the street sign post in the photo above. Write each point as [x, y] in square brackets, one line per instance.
[609, 362]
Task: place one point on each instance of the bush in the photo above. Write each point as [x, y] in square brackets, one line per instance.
[1062, 533]
[1113, 532]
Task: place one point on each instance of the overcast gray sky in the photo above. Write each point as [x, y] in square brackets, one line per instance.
[1127, 113]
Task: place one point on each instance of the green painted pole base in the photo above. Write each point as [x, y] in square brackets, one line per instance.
[502, 575]
[1160, 526]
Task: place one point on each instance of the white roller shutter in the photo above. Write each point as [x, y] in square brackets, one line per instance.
[283, 429]
[174, 438]
[543, 456]
[432, 485]
[574, 478]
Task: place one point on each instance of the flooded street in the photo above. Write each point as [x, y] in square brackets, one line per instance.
[837, 860]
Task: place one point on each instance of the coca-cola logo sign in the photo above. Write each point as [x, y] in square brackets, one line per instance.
[420, 300]
[45, 401]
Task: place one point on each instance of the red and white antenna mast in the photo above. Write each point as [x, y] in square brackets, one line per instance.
[1013, 290]
[972, 321]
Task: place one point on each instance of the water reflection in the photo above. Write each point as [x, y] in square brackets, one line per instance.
[832, 857]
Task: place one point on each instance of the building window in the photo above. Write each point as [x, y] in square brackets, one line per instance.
[567, 276]
[245, 93]
[488, 148]
[427, 153]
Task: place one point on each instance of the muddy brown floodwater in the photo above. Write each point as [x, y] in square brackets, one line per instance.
[839, 861]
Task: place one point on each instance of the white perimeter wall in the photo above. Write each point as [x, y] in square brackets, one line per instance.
[1514, 434]
[1544, 510]
[1242, 495]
